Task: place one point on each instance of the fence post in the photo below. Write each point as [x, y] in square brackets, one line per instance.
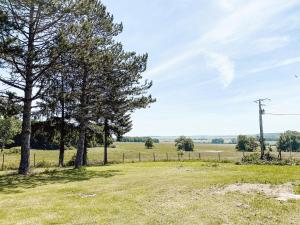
[199, 155]
[167, 156]
[123, 157]
[139, 156]
[178, 156]
[34, 160]
[219, 156]
[153, 156]
[3, 161]
[189, 156]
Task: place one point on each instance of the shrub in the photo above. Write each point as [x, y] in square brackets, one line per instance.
[113, 146]
[184, 144]
[246, 144]
[268, 160]
[149, 143]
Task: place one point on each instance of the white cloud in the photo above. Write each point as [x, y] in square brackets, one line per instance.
[224, 66]
[276, 64]
[239, 26]
[267, 44]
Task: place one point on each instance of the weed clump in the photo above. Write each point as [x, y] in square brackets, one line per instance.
[268, 160]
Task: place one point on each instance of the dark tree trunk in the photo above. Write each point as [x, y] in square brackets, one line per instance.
[85, 152]
[62, 128]
[26, 123]
[106, 133]
[83, 123]
[26, 132]
[80, 148]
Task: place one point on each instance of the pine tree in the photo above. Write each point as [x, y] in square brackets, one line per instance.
[36, 25]
[91, 34]
[121, 90]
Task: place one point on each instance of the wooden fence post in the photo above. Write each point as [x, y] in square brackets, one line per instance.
[199, 155]
[139, 156]
[219, 156]
[167, 156]
[34, 160]
[189, 156]
[178, 156]
[123, 157]
[154, 157]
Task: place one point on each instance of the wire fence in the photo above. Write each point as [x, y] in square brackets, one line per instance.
[40, 159]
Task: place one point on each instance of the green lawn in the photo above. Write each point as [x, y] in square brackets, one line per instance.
[132, 151]
[146, 193]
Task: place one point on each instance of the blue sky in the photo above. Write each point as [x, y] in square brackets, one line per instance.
[209, 60]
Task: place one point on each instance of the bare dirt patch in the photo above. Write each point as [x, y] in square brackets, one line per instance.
[282, 192]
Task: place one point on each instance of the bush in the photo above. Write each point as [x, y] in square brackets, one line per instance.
[268, 160]
[246, 144]
[113, 146]
[184, 144]
[149, 143]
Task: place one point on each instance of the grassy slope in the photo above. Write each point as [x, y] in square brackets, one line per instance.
[146, 193]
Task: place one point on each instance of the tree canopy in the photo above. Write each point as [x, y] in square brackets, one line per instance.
[184, 144]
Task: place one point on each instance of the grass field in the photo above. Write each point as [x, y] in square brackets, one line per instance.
[134, 152]
[147, 193]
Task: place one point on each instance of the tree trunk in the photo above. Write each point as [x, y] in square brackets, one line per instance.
[85, 152]
[105, 161]
[62, 128]
[26, 132]
[80, 148]
[26, 123]
[83, 123]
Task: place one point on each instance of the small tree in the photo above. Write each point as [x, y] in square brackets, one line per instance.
[246, 144]
[9, 128]
[149, 143]
[288, 141]
[184, 144]
[10, 125]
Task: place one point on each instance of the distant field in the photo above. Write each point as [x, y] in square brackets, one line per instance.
[160, 193]
[135, 152]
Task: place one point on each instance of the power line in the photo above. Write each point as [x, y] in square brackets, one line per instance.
[283, 114]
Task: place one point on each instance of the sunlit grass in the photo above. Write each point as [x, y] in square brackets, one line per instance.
[146, 193]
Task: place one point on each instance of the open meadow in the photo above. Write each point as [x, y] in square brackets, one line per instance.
[135, 152]
[148, 193]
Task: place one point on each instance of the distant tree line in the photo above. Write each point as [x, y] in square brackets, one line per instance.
[137, 139]
[217, 141]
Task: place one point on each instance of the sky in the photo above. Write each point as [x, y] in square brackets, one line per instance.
[210, 60]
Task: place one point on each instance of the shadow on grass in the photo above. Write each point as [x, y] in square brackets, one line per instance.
[12, 183]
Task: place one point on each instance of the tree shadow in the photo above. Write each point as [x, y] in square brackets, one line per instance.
[13, 183]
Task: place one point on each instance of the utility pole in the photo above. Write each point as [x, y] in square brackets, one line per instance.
[261, 129]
